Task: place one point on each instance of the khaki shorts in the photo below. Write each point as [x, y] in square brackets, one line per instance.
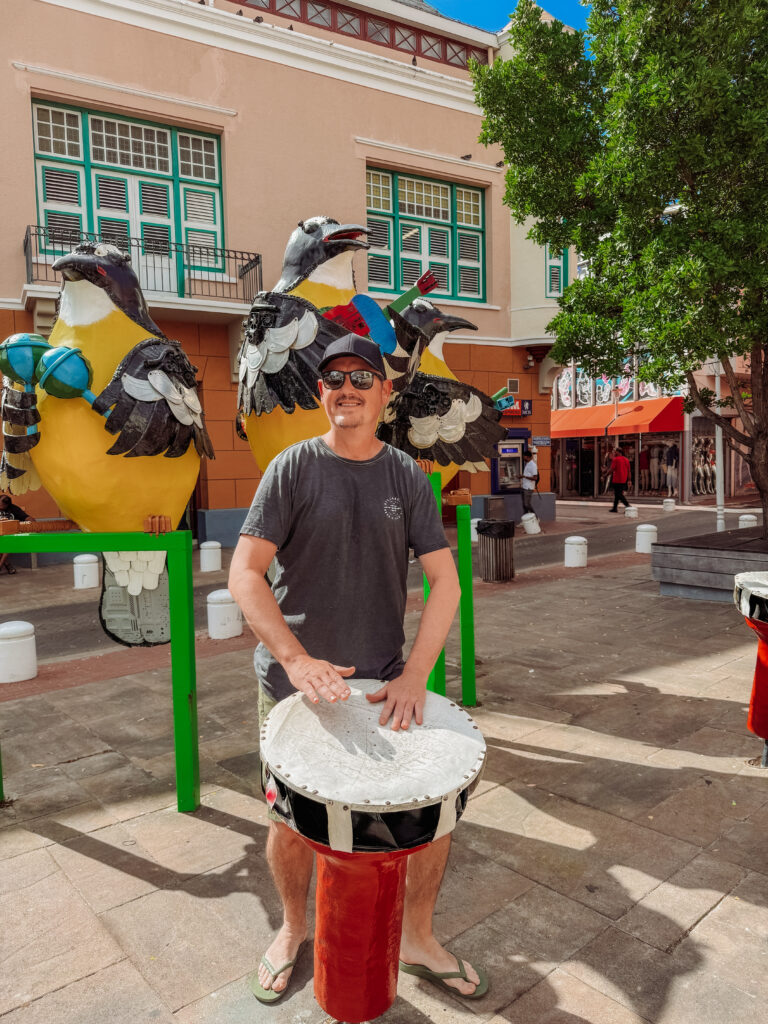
[266, 703]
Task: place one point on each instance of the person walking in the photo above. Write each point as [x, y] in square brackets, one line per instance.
[338, 513]
[620, 470]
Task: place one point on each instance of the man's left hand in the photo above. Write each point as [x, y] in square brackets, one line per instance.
[404, 701]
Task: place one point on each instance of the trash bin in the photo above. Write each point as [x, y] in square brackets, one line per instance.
[494, 549]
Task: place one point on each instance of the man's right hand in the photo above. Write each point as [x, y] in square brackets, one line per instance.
[317, 678]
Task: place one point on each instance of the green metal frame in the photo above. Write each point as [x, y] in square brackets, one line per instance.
[436, 682]
[178, 546]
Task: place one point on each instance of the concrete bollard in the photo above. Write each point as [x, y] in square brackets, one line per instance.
[86, 568]
[224, 617]
[210, 556]
[668, 504]
[575, 552]
[630, 512]
[18, 652]
[473, 530]
[746, 522]
[645, 536]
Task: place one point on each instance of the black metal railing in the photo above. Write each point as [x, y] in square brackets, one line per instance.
[186, 271]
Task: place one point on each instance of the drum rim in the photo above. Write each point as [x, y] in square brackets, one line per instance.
[368, 807]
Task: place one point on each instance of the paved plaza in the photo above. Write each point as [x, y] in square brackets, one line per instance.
[612, 866]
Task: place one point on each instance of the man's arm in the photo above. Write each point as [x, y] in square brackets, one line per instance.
[404, 697]
[252, 592]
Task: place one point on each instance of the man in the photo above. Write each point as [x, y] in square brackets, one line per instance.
[530, 480]
[10, 511]
[339, 512]
[619, 478]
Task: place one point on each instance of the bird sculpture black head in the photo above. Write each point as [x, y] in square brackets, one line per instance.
[431, 321]
[109, 268]
[315, 241]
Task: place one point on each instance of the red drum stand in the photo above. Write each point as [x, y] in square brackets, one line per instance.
[359, 906]
[757, 722]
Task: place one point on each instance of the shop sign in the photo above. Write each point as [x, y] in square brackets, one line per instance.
[541, 442]
[518, 407]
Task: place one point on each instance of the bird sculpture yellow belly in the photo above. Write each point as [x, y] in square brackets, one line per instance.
[98, 491]
[270, 434]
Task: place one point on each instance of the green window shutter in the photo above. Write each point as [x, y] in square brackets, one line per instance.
[61, 198]
[201, 223]
[470, 268]
[115, 231]
[380, 264]
[555, 271]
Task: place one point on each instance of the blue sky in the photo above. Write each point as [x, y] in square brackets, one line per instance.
[494, 14]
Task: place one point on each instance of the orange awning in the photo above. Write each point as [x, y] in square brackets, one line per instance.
[653, 415]
[589, 422]
[650, 415]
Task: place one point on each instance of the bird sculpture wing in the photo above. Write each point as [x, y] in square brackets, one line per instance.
[284, 339]
[443, 420]
[155, 409]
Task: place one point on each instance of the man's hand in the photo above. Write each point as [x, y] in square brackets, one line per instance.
[404, 697]
[316, 677]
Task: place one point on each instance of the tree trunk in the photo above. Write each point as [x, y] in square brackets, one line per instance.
[758, 467]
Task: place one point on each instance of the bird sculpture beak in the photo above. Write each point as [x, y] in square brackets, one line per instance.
[74, 265]
[347, 236]
[456, 323]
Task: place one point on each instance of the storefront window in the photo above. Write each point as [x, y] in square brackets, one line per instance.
[659, 465]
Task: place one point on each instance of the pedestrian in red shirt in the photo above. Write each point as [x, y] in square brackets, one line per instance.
[619, 478]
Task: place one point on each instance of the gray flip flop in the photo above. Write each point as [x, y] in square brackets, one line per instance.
[268, 995]
[438, 978]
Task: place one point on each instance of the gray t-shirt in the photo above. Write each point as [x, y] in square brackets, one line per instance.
[342, 530]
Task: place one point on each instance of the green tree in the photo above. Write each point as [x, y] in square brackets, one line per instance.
[648, 152]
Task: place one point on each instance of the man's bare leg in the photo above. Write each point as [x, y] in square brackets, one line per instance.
[418, 945]
[290, 861]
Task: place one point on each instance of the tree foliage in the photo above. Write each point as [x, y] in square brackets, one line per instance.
[651, 158]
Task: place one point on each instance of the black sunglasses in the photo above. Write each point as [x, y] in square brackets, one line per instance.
[361, 380]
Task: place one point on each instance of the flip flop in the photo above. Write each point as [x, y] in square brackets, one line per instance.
[437, 978]
[268, 995]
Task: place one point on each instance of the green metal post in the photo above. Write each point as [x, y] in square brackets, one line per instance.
[178, 545]
[183, 677]
[436, 681]
[466, 607]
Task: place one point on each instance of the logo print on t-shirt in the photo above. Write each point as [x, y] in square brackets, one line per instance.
[393, 508]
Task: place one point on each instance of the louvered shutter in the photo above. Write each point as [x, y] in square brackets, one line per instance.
[111, 196]
[555, 270]
[201, 226]
[380, 253]
[61, 194]
[469, 264]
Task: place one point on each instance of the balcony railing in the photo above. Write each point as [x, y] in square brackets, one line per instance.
[186, 271]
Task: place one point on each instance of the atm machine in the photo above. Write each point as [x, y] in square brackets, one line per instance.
[508, 466]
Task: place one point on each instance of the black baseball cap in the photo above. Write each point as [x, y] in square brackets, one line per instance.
[355, 345]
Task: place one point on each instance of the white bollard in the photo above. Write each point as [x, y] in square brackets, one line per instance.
[746, 522]
[645, 536]
[18, 652]
[630, 512]
[668, 504]
[210, 556]
[575, 552]
[224, 617]
[530, 523]
[473, 530]
[86, 569]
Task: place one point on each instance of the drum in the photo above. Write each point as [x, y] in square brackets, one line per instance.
[750, 594]
[364, 797]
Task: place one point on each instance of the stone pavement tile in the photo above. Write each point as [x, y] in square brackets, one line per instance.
[745, 843]
[49, 938]
[641, 713]
[49, 745]
[735, 936]
[116, 783]
[736, 686]
[191, 942]
[602, 861]
[186, 844]
[512, 719]
[473, 887]
[39, 791]
[709, 750]
[119, 729]
[243, 812]
[116, 994]
[666, 915]
[234, 1003]
[109, 867]
[562, 999]
[705, 809]
[94, 764]
[108, 696]
[660, 987]
[420, 1003]
[17, 839]
[231, 744]
[26, 869]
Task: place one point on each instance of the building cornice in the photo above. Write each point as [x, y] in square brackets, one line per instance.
[208, 26]
[426, 154]
[425, 19]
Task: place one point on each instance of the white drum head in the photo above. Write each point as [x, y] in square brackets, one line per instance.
[338, 753]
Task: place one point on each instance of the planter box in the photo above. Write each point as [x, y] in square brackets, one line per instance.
[702, 568]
